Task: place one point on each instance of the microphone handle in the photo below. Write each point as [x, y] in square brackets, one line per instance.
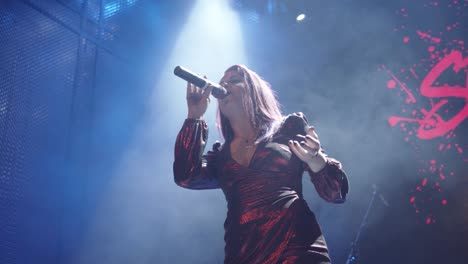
[190, 77]
[218, 91]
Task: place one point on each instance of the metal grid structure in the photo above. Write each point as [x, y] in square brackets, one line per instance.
[48, 59]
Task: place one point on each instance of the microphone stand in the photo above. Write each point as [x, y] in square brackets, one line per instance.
[354, 252]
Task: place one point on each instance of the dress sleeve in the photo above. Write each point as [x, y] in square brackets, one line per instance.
[192, 169]
[331, 182]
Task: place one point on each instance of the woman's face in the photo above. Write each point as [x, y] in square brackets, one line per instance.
[234, 83]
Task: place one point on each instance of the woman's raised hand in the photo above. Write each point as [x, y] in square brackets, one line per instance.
[197, 100]
[309, 150]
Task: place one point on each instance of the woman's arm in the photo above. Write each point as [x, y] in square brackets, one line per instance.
[330, 182]
[326, 173]
[192, 169]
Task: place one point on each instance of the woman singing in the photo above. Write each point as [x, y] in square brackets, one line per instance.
[259, 168]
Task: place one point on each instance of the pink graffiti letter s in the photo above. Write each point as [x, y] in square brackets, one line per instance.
[432, 125]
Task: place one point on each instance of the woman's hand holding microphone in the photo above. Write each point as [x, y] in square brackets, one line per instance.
[197, 100]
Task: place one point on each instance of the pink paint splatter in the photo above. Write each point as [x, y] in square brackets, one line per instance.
[424, 182]
[432, 125]
[423, 35]
[414, 73]
[433, 113]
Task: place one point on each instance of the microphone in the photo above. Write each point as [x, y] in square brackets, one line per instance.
[218, 91]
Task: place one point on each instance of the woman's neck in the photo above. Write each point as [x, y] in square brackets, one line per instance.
[242, 127]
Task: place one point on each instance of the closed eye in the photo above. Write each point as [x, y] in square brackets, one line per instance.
[234, 81]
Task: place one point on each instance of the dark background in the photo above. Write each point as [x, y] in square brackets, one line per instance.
[89, 111]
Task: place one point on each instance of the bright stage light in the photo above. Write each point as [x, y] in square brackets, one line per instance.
[209, 41]
[300, 17]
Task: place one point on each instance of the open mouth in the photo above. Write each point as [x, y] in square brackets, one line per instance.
[226, 96]
[220, 94]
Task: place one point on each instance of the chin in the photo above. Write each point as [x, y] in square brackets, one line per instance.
[227, 112]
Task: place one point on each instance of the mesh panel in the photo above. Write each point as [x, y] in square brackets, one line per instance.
[93, 9]
[59, 12]
[45, 77]
[13, 119]
[48, 59]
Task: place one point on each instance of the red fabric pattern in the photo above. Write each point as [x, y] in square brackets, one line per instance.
[268, 221]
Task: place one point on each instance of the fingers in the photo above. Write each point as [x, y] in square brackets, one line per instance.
[310, 148]
[187, 94]
[307, 146]
[297, 149]
[193, 92]
[307, 137]
[303, 151]
[308, 140]
[311, 132]
[207, 92]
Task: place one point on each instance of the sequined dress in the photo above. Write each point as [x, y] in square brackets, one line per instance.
[267, 221]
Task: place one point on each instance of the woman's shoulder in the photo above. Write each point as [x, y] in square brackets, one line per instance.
[293, 124]
[297, 119]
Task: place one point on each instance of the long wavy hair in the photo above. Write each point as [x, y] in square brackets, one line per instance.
[260, 104]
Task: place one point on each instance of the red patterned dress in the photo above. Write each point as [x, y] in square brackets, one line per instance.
[268, 221]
